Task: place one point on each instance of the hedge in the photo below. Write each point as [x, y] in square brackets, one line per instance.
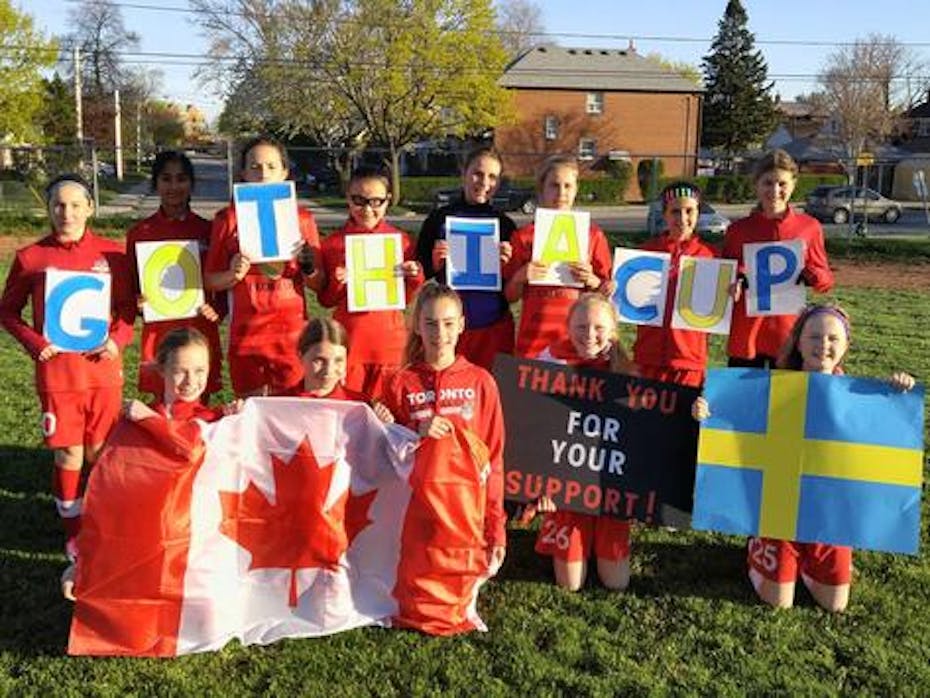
[609, 190]
[739, 188]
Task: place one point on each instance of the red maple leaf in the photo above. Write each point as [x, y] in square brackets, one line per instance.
[297, 531]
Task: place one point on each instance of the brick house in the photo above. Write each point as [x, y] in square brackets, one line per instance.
[601, 104]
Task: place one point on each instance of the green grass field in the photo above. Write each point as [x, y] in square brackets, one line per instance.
[689, 624]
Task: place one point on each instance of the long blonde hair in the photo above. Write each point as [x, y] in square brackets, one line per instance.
[619, 360]
[430, 291]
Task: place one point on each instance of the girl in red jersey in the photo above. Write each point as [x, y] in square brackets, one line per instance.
[817, 342]
[437, 390]
[755, 341]
[80, 393]
[663, 353]
[567, 536]
[323, 348]
[453, 535]
[267, 304]
[173, 180]
[183, 361]
[542, 318]
[377, 337]
[489, 324]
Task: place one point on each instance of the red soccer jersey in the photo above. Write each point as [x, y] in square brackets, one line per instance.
[751, 336]
[466, 395]
[376, 337]
[267, 309]
[665, 347]
[155, 228]
[26, 282]
[545, 308]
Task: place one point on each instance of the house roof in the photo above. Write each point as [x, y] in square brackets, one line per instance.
[921, 111]
[566, 68]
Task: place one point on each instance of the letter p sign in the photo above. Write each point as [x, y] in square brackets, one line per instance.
[773, 270]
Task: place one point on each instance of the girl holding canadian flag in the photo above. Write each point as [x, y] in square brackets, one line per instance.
[453, 536]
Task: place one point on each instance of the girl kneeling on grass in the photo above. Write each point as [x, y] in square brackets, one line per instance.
[818, 342]
[183, 360]
[323, 348]
[567, 536]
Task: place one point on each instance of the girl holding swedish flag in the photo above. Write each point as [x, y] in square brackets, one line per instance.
[818, 342]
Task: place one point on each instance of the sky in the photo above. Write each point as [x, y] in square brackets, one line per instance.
[677, 29]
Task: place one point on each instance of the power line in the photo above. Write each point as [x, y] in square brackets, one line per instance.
[824, 43]
[203, 59]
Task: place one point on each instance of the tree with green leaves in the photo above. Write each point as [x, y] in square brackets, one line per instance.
[363, 72]
[24, 54]
[739, 110]
[429, 70]
[56, 118]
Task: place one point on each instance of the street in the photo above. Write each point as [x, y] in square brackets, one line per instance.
[211, 194]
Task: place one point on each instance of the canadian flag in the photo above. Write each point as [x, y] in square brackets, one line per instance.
[294, 518]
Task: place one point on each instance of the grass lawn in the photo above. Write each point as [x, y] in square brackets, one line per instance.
[689, 623]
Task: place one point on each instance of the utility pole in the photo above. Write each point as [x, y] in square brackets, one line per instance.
[78, 107]
[139, 135]
[118, 137]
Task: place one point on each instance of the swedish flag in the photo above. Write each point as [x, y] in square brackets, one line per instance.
[811, 457]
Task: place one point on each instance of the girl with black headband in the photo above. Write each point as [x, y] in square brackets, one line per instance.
[80, 392]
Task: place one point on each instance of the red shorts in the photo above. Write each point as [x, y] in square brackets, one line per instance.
[79, 417]
[780, 560]
[250, 372]
[570, 536]
[678, 376]
[480, 346]
[368, 379]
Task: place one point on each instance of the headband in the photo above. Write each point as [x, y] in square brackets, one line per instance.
[679, 191]
[828, 310]
[53, 186]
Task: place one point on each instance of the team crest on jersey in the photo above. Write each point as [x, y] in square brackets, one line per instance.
[468, 410]
[101, 266]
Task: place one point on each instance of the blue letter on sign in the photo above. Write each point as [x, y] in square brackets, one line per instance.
[622, 276]
[766, 279]
[472, 275]
[95, 329]
[264, 197]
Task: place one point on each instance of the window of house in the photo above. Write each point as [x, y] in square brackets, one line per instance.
[587, 149]
[923, 128]
[551, 128]
[594, 103]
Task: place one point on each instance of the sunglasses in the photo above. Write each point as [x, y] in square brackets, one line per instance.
[363, 201]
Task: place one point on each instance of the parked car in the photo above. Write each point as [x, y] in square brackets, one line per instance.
[323, 179]
[837, 203]
[507, 197]
[105, 169]
[709, 221]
